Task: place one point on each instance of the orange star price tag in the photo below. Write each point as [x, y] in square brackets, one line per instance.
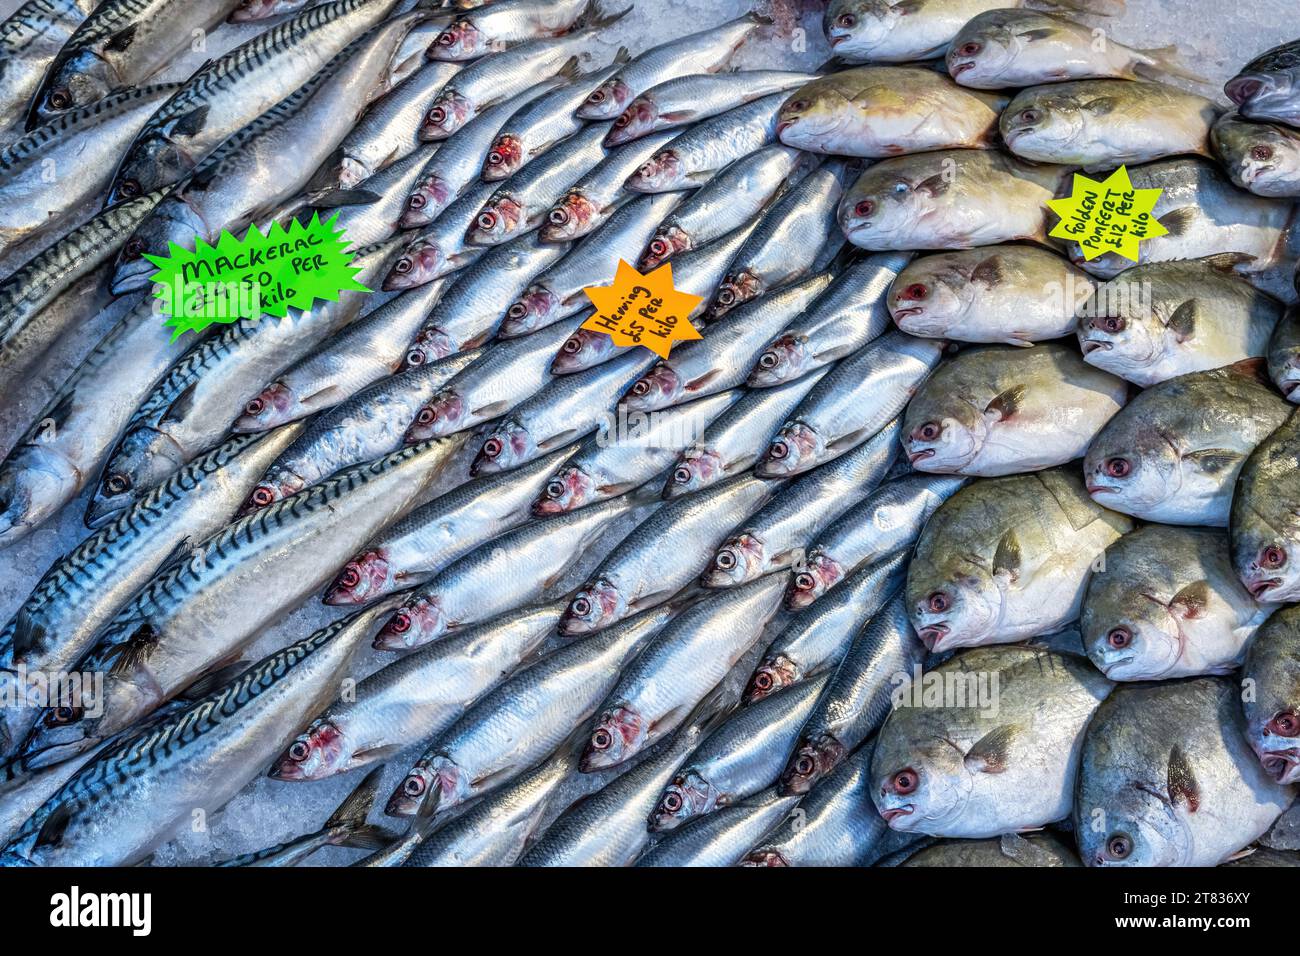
[643, 309]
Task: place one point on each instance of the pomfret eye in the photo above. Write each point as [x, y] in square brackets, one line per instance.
[970, 49]
[1119, 846]
[1284, 724]
[938, 602]
[1262, 153]
[929, 431]
[905, 781]
[1118, 467]
[1119, 638]
[865, 208]
[1272, 557]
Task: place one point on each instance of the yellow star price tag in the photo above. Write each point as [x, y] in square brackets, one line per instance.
[1109, 216]
[643, 309]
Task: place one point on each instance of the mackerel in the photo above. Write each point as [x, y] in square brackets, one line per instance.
[436, 534]
[416, 697]
[29, 41]
[514, 569]
[514, 726]
[233, 90]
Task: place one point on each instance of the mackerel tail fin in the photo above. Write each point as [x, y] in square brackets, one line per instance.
[1164, 64]
[349, 820]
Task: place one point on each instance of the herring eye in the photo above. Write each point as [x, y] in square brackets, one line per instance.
[446, 39]
[426, 416]
[1119, 846]
[682, 475]
[401, 623]
[117, 484]
[778, 450]
[414, 785]
[487, 220]
[929, 431]
[938, 602]
[804, 581]
[416, 201]
[130, 188]
[659, 247]
[805, 765]
[970, 49]
[415, 357]
[558, 216]
[350, 577]
[641, 387]
[1285, 724]
[580, 606]
[905, 781]
[865, 208]
[299, 751]
[763, 680]
[672, 802]
[1272, 557]
[403, 265]
[1118, 467]
[1262, 153]
[571, 346]
[254, 407]
[725, 560]
[601, 739]
[492, 447]
[767, 360]
[437, 116]
[1119, 638]
[495, 158]
[555, 488]
[726, 297]
[624, 118]
[517, 311]
[597, 96]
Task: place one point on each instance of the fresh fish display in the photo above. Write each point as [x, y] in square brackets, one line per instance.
[723, 357]
[29, 41]
[1262, 521]
[1268, 87]
[777, 536]
[663, 555]
[1005, 48]
[689, 99]
[1101, 124]
[849, 315]
[1012, 294]
[205, 607]
[677, 670]
[1173, 454]
[1185, 317]
[524, 201]
[857, 697]
[707, 52]
[969, 768]
[738, 760]
[722, 838]
[852, 402]
[469, 590]
[119, 44]
[594, 198]
[453, 169]
[731, 199]
[540, 124]
[817, 640]
[525, 718]
[1002, 410]
[557, 293]
[1169, 769]
[880, 111]
[611, 463]
[951, 199]
[1168, 604]
[80, 594]
[733, 442]
[414, 698]
[697, 155]
[1271, 669]
[437, 533]
[1261, 157]
[40, 189]
[836, 824]
[233, 90]
[496, 26]
[887, 521]
[1006, 559]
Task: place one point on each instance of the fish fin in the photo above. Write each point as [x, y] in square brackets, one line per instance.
[122, 39]
[179, 553]
[988, 272]
[621, 56]
[1179, 221]
[369, 836]
[134, 651]
[28, 634]
[356, 806]
[936, 185]
[192, 123]
[330, 395]
[601, 21]
[989, 753]
[849, 441]
[907, 7]
[1191, 601]
[330, 198]
[1032, 35]
[1101, 106]
[59, 413]
[1242, 854]
[571, 70]
[368, 754]
[492, 409]
[1213, 460]
[1255, 367]
[213, 680]
[1164, 64]
[1182, 782]
[555, 441]
[1183, 322]
[1007, 403]
[54, 826]
[834, 354]
[677, 116]
[182, 406]
[694, 385]
[1006, 559]
[1228, 262]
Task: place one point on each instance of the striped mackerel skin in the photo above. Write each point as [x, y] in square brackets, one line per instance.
[133, 796]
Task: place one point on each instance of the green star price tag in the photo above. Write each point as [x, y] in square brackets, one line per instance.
[1109, 216]
[259, 274]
